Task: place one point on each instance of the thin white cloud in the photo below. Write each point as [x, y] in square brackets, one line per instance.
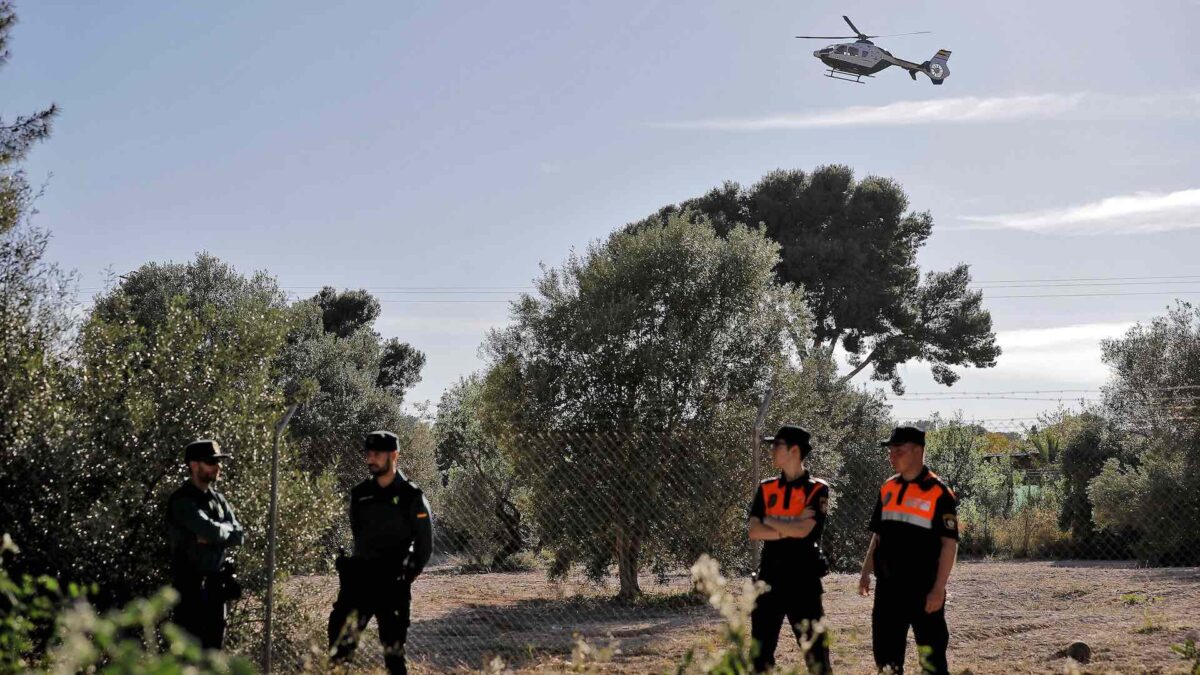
[964, 110]
[1040, 358]
[1137, 213]
[1040, 339]
[1067, 354]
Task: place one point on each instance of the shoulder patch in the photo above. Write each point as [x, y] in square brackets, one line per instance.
[950, 522]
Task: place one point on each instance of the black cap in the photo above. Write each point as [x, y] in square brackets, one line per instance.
[381, 441]
[902, 435]
[202, 449]
[793, 435]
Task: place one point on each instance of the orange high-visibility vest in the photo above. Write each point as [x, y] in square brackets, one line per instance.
[917, 506]
[779, 504]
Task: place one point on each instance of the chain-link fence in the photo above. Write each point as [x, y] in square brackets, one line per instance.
[1072, 530]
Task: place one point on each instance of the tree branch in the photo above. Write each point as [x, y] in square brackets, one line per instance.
[858, 369]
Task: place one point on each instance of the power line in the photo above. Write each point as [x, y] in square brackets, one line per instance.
[1083, 284]
[1089, 295]
[991, 297]
[993, 399]
[1014, 281]
[1161, 279]
[1041, 391]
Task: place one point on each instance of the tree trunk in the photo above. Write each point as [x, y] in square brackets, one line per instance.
[865, 362]
[510, 534]
[628, 548]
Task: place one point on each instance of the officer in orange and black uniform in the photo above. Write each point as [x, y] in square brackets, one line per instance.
[788, 516]
[911, 554]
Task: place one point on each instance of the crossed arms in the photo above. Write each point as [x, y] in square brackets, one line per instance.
[770, 529]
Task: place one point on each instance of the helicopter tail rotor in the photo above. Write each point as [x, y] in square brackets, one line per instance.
[936, 68]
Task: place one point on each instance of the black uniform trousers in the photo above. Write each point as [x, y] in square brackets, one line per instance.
[388, 601]
[797, 601]
[896, 608]
[201, 608]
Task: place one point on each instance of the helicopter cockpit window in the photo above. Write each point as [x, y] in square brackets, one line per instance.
[840, 50]
[852, 51]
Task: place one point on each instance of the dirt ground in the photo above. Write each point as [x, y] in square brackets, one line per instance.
[1005, 617]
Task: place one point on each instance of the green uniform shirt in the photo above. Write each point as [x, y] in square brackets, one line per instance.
[193, 515]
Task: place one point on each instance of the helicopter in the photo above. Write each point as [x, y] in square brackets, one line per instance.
[852, 61]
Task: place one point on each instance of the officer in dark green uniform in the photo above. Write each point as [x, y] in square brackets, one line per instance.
[202, 528]
[393, 539]
[788, 516]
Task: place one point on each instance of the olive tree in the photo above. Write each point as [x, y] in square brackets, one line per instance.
[617, 381]
[852, 245]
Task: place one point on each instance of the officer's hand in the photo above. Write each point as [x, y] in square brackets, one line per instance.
[864, 585]
[808, 513]
[935, 600]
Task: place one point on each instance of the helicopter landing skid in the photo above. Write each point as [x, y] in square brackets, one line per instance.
[846, 77]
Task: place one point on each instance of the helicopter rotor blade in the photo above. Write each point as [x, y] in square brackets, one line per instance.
[920, 32]
[826, 37]
[853, 27]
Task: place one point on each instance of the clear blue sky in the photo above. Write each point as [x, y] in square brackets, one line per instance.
[392, 145]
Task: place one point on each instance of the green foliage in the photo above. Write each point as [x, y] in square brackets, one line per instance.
[46, 626]
[35, 408]
[831, 228]
[400, 366]
[28, 610]
[1188, 651]
[19, 135]
[35, 318]
[344, 313]
[143, 394]
[1032, 530]
[480, 508]
[145, 295]
[134, 639]
[955, 451]
[635, 369]
[87, 493]
[1133, 599]
[360, 387]
[1149, 480]
[1083, 456]
[846, 424]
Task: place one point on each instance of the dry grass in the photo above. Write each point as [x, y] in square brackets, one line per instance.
[1005, 617]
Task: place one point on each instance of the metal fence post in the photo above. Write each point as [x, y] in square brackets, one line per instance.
[756, 457]
[273, 520]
